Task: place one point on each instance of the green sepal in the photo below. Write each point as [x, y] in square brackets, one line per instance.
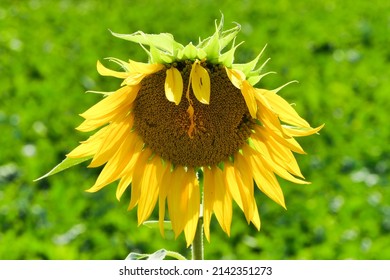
[212, 46]
[163, 162]
[255, 79]
[250, 143]
[246, 68]
[65, 164]
[162, 41]
[157, 56]
[221, 165]
[258, 70]
[188, 52]
[228, 35]
[227, 58]
[249, 66]
[201, 54]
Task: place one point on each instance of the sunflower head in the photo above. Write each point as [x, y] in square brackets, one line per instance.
[189, 131]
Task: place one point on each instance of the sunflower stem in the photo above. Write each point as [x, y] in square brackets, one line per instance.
[197, 244]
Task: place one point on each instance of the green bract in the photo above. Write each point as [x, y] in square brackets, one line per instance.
[164, 49]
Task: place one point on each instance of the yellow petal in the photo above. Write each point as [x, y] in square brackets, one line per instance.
[192, 193]
[270, 163]
[280, 153]
[134, 79]
[245, 185]
[136, 184]
[231, 183]
[208, 193]
[144, 68]
[90, 146]
[138, 71]
[240, 194]
[281, 136]
[92, 124]
[117, 162]
[264, 178]
[115, 135]
[173, 85]
[108, 72]
[122, 98]
[248, 93]
[165, 184]
[177, 198]
[299, 132]
[256, 218]
[127, 172]
[200, 81]
[284, 110]
[268, 118]
[123, 184]
[222, 205]
[151, 179]
[236, 77]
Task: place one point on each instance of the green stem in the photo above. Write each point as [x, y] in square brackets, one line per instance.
[197, 244]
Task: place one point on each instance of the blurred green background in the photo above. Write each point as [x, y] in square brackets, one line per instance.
[337, 50]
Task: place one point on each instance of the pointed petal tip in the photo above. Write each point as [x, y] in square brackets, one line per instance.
[91, 190]
[318, 128]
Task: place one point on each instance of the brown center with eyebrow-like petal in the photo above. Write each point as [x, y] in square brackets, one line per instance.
[220, 128]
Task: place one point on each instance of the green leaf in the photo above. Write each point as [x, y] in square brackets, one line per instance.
[158, 255]
[65, 164]
[136, 256]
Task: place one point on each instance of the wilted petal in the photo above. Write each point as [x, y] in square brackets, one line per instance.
[200, 81]
[173, 85]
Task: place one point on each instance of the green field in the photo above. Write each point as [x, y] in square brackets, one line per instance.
[337, 50]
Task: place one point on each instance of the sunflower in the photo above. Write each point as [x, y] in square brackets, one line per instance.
[189, 131]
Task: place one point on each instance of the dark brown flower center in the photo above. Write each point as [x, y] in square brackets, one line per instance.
[220, 130]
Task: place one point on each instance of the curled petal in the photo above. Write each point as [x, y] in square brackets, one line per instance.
[102, 70]
[173, 85]
[200, 81]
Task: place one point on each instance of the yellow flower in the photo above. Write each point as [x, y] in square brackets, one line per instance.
[190, 131]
